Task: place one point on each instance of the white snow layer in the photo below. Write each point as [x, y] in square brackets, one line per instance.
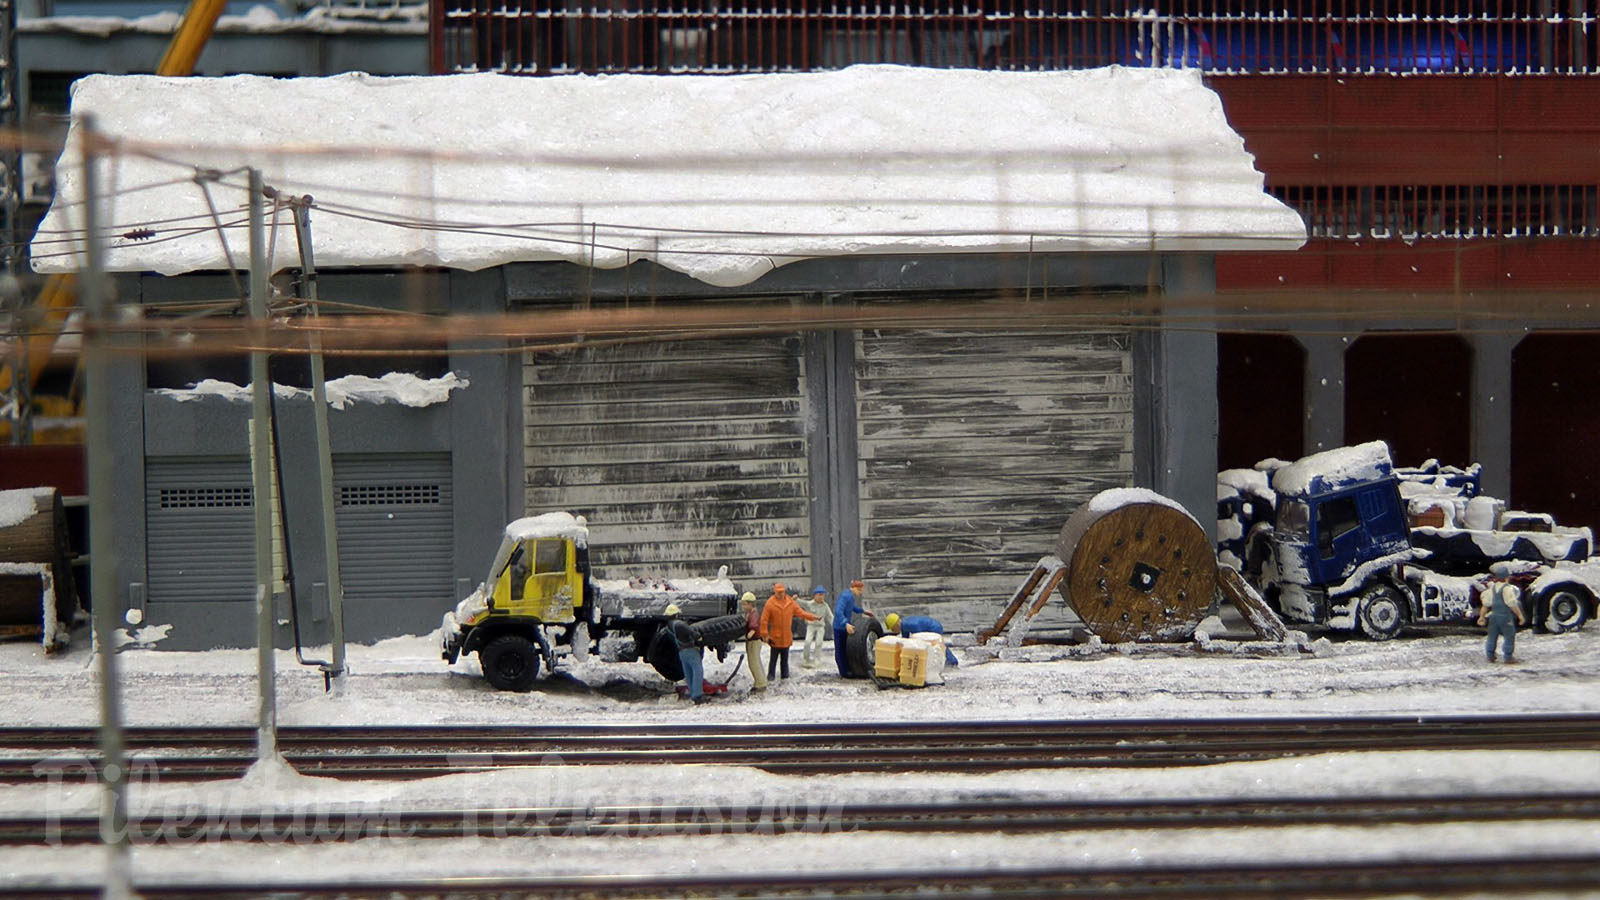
[1341, 465]
[392, 387]
[403, 681]
[18, 506]
[720, 177]
[550, 525]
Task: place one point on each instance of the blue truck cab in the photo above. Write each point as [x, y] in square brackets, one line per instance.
[1327, 536]
[1343, 552]
[1340, 518]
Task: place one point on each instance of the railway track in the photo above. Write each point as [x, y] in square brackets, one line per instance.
[1493, 876]
[394, 752]
[337, 823]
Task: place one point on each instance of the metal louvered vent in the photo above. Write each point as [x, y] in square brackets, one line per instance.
[389, 494]
[205, 498]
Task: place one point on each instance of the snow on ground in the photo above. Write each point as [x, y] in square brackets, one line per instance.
[403, 681]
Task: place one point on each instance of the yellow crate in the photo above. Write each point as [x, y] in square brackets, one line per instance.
[914, 664]
[886, 657]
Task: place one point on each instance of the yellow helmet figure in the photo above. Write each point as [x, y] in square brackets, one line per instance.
[893, 621]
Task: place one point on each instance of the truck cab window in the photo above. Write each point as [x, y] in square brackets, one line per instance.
[1335, 519]
[550, 556]
[1294, 518]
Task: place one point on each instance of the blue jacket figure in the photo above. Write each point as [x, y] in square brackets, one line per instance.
[906, 626]
[689, 653]
[1502, 613]
[843, 611]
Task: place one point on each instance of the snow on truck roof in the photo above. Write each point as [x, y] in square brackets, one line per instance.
[723, 178]
[1333, 469]
[550, 525]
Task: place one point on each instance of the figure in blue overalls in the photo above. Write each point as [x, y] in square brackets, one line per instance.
[1503, 613]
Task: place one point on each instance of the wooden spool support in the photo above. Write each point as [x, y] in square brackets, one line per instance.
[1139, 568]
[1048, 566]
[1255, 610]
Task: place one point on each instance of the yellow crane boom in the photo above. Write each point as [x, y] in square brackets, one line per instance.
[59, 294]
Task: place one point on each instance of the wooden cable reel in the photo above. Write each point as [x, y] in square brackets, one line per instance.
[1138, 567]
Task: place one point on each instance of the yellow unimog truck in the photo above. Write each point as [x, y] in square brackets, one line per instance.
[540, 596]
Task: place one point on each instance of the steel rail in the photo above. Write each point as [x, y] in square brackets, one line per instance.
[388, 752]
[1064, 729]
[1497, 876]
[342, 823]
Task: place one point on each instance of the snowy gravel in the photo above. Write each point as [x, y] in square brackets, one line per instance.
[404, 681]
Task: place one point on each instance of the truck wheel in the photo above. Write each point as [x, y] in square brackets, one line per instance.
[858, 646]
[719, 630]
[1382, 613]
[1565, 609]
[510, 662]
[663, 656]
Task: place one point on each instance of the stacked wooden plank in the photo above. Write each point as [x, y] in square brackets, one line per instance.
[37, 595]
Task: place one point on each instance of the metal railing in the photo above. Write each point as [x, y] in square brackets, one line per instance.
[1419, 212]
[735, 36]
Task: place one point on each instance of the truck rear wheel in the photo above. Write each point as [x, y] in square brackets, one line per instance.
[1566, 608]
[510, 662]
[1382, 612]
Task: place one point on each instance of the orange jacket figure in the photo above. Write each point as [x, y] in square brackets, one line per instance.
[777, 618]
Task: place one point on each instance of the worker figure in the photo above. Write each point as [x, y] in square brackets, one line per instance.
[777, 627]
[752, 640]
[823, 610]
[847, 607]
[689, 653]
[906, 626]
[1502, 613]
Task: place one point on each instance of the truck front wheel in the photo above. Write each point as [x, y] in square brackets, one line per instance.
[1565, 609]
[510, 662]
[1382, 613]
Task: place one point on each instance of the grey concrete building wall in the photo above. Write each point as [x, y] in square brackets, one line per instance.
[475, 427]
[480, 427]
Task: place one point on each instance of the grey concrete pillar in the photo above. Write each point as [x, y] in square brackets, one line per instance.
[1184, 413]
[1491, 409]
[1324, 406]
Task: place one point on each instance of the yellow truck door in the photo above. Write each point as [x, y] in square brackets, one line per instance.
[540, 581]
[553, 589]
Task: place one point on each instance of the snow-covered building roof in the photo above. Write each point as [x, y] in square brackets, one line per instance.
[722, 178]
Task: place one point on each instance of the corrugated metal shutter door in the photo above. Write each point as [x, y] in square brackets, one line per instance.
[684, 455]
[201, 529]
[396, 524]
[974, 449]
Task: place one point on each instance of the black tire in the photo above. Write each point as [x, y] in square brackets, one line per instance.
[1381, 612]
[510, 662]
[1566, 608]
[858, 646]
[662, 656]
[717, 631]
